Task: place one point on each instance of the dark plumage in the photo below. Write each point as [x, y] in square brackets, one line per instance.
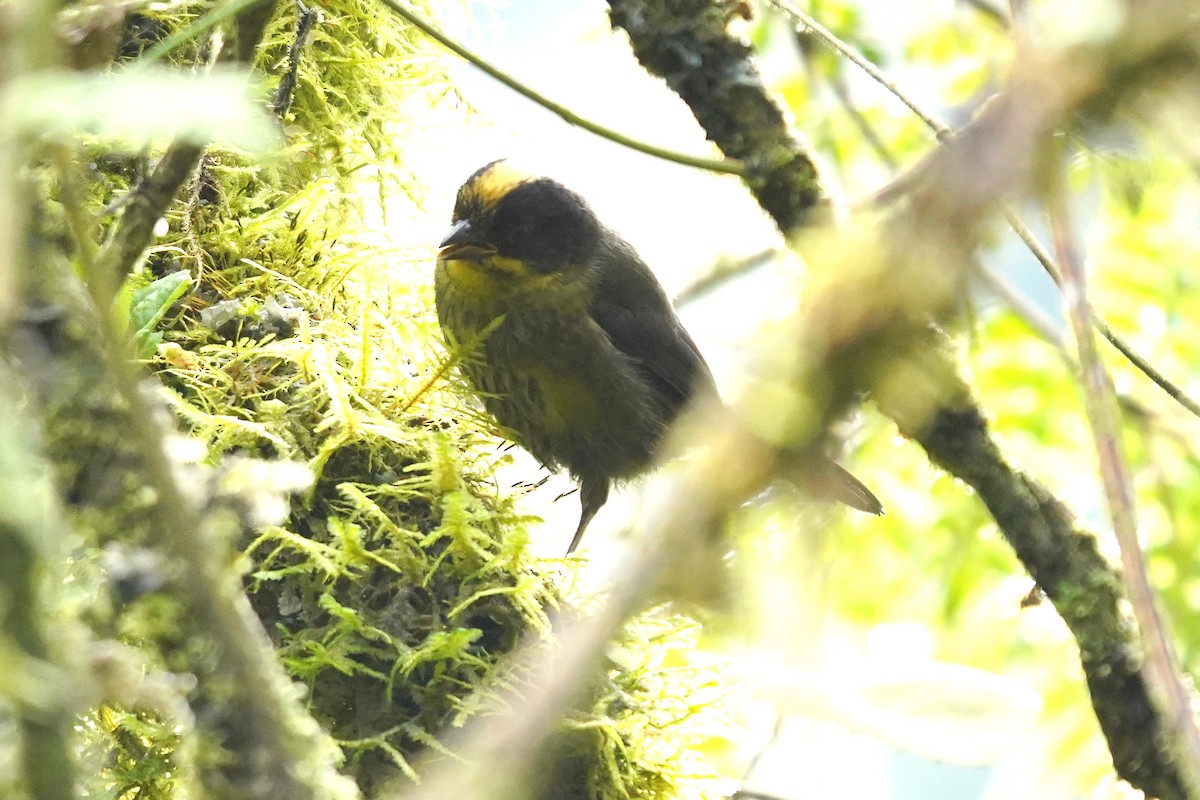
[589, 365]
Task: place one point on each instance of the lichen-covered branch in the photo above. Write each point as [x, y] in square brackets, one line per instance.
[686, 44]
[860, 337]
[1063, 558]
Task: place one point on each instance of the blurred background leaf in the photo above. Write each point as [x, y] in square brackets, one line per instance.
[133, 109]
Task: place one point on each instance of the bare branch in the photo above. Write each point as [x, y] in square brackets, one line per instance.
[862, 62]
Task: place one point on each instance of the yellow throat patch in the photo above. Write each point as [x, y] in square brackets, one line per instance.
[484, 278]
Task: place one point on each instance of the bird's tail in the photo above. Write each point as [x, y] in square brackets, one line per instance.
[824, 479]
[845, 488]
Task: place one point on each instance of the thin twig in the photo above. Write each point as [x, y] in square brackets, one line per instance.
[842, 92]
[1044, 258]
[1145, 367]
[306, 18]
[945, 134]
[722, 274]
[115, 205]
[1035, 317]
[724, 166]
[1166, 688]
[837, 81]
[1000, 285]
[863, 63]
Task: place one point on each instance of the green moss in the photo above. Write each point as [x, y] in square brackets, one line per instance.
[397, 577]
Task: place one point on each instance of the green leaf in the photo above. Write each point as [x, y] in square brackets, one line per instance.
[149, 304]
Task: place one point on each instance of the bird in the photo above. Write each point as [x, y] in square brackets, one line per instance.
[569, 339]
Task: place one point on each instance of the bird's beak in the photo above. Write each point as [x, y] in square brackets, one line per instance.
[462, 244]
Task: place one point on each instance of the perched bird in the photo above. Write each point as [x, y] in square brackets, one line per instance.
[570, 340]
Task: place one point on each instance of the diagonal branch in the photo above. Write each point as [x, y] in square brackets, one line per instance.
[859, 339]
[148, 202]
[713, 74]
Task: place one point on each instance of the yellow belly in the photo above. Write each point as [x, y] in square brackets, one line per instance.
[568, 402]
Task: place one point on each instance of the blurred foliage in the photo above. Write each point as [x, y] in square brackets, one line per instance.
[933, 581]
[58, 105]
[285, 307]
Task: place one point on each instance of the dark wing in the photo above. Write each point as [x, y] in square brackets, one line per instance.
[633, 310]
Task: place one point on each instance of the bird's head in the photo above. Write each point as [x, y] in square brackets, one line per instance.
[514, 221]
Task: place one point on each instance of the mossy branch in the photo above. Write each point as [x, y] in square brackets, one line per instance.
[77, 375]
[860, 340]
[713, 73]
[283, 749]
[41, 694]
[149, 200]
